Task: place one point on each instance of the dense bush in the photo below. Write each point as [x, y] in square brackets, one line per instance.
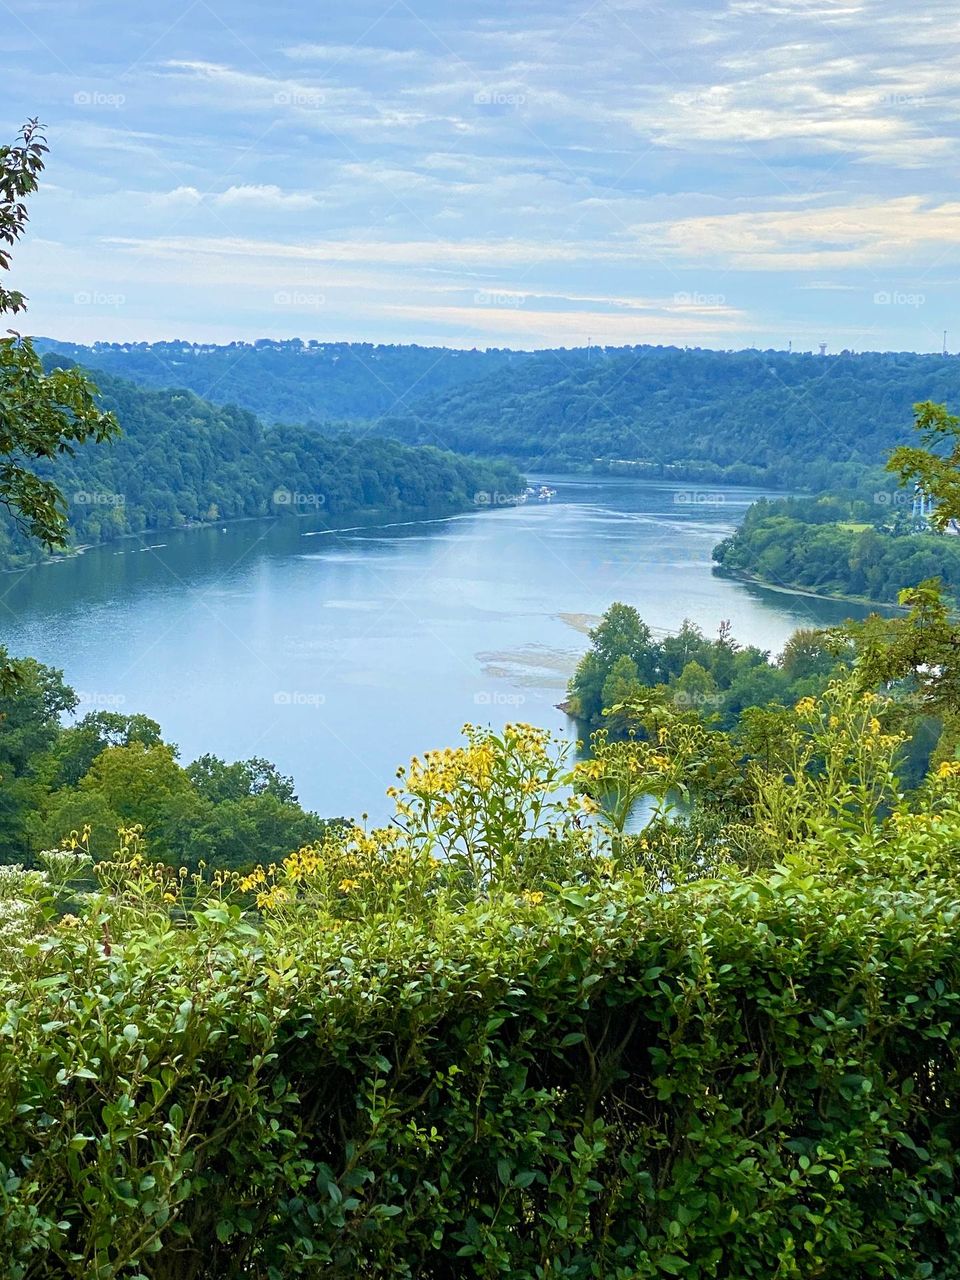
[500, 1038]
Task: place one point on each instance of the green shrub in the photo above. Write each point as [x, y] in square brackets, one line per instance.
[748, 1075]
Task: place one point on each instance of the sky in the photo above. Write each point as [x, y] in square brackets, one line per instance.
[724, 174]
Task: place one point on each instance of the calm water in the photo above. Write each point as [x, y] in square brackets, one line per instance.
[339, 654]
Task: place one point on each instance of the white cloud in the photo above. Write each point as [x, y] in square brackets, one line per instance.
[412, 253]
[527, 326]
[362, 54]
[848, 236]
[265, 196]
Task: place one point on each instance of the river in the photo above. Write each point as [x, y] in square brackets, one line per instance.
[340, 653]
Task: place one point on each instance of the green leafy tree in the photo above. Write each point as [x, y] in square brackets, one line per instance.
[79, 745]
[621, 633]
[934, 466]
[695, 687]
[30, 711]
[918, 656]
[41, 415]
[219, 781]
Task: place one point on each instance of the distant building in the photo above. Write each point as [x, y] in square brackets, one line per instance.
[922, 506]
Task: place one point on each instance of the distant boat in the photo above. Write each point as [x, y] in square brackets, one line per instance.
[546, 493]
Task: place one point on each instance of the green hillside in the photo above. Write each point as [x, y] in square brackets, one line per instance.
[181, 459]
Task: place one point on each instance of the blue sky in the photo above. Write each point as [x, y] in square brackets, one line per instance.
[723, 174]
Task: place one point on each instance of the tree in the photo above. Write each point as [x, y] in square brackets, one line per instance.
[935, 473]
[30, 710]
[41, 415]
[919, 655]
[137, 781]
[621, 685]
[218, 781]
[696, 687]
[81, 743]
[621, 633]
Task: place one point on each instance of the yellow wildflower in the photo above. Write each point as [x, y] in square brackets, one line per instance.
[272, 898]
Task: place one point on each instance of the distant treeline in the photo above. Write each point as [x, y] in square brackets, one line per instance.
[741, 416]
[293, 381]
[744, 417]
[181, 459]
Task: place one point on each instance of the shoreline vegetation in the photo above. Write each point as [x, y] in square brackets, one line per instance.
[789, 589]
[377, 521]
[181, 462]
[864, 547]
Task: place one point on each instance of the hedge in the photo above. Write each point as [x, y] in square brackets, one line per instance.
[751, 1077]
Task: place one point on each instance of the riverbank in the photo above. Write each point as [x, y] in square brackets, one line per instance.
[387, 640]
[372, 518]
[788, 589]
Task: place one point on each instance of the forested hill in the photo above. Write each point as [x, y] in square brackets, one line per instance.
[181, 459]
[294, 381]
[741, 416]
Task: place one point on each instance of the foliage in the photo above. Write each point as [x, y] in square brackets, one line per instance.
[788, 544]
[689, 672]
[289, 380]
[862, 544]
[935, 473]
[108, 770]
[495, 1039]
[660, 412]
[743, 416]
[182, 461]
[41, 415]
